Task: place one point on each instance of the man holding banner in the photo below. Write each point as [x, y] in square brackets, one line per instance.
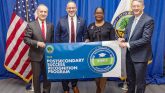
[137, 40]
[70, 29]
[37, 34]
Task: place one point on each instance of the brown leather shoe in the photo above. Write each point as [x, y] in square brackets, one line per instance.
[75, 90]
[66, 91]
[98, 90]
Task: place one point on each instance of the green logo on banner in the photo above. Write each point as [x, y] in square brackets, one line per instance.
[49, 49]
[102, 61]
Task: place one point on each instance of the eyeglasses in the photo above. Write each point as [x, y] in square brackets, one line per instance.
[99, 13]
[71, 7]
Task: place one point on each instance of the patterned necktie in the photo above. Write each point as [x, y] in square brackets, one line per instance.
[133, 27]
[72, 31]
[43, 30]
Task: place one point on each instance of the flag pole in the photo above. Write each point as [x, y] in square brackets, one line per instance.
[125, 86]
[27, 19]
[27, 13]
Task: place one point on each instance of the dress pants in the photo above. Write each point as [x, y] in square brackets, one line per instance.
[37, 68]
[66, 82]
[136, 75]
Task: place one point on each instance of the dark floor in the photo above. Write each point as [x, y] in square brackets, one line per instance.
[18, 86]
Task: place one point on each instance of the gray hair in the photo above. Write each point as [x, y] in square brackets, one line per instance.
[141, 1]
[42, 5]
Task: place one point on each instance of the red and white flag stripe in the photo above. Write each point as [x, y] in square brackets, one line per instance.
[16, 59]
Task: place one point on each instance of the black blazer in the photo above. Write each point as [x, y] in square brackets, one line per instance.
[102, 33]
[140, 41]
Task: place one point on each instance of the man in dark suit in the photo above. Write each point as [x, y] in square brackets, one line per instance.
[70, 29]
[37, 34]
[137, 40]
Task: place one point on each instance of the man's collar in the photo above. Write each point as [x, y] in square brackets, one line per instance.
[40, 21]
[138, 17]
[75, 16]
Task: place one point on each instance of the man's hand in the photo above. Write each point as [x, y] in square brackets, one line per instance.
[87, 40]
[41, 44]
[123, 44]
[120, 39]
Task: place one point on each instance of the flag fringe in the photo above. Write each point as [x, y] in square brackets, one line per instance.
[18, 74]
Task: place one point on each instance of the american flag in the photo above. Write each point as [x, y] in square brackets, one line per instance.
[16, 58]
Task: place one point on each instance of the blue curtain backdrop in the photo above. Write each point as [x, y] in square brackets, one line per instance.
[155, 8]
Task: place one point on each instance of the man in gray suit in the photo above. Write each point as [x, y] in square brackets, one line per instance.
[70, 29]
[37, 34]
[137, 40]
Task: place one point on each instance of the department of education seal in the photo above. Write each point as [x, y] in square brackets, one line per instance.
[49, 49]
[121, 22]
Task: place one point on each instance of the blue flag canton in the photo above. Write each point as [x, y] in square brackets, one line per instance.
[23, 7]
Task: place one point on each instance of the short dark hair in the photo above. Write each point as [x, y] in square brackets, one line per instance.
[98, 8]
[71, 2]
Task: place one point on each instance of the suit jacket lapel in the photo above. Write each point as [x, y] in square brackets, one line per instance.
[38, 28]
[78, 25]
[137, 25]
[130, 26]
[66, 23]
[48, 31]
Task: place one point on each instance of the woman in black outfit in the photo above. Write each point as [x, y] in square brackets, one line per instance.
[100, 30]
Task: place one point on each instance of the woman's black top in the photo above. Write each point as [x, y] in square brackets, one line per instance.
[101, 33]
